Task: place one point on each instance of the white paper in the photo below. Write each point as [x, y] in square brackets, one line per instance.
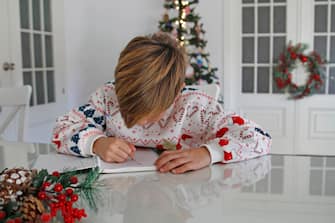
[143, 161]
[60, 162]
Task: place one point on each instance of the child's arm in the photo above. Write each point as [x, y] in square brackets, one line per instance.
[76, 131]
[230, 138]
[235, 138]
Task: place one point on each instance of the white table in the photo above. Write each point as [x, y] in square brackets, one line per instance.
[268, 189]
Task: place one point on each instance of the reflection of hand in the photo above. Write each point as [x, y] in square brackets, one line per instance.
[195, 177]
[120, 183]
[180, 161]
[113, 150]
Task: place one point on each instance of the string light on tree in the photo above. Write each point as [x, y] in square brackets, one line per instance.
[181, 20]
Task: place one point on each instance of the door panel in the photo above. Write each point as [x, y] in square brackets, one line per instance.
[315, 115]
[259, 33]
[253, 41]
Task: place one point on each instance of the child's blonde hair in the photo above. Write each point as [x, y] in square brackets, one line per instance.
[149, 75]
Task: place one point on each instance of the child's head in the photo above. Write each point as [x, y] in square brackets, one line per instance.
[148, 77]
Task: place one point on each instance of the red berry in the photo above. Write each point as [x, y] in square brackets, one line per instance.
[53, 212]
[61, 204]
[68, 219]
[45, 217]
[18, 220]
[83, 213]
[46, 184]
[2, 215]
[58, 187]
[74, 197]
[68, 204]
[10, 221]
[178, 146]
[56, 174]
[293, 55]
[303, 58]
[316, 77]
[61, 197]
[69, 191]
[42, 195]
[74, 180]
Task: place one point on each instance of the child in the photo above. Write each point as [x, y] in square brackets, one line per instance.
[149, 106]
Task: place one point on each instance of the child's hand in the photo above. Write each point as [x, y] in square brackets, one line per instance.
[113, 150]
[180, 161]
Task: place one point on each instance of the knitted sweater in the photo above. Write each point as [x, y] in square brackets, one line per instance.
[195, 119]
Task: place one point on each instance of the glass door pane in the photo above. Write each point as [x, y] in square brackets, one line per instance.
[324, 41]
[263, 39]
[37, 49]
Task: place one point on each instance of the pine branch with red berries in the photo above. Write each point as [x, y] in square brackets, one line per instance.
[37, 196]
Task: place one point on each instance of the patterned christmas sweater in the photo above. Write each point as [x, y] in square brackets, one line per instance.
[195, 119]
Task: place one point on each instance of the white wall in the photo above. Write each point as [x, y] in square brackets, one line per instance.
[96, 32]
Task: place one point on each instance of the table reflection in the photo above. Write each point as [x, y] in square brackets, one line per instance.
[276, 188]
[154, 197]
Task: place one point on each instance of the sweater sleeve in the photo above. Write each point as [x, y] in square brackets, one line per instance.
[76, 131]
[234, 138]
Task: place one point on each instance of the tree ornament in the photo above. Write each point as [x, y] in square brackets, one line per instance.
[288, 61]
[189, 71]
[174, 33]
[198, 29]
[187, 10]
[199, 61]
[166, 17]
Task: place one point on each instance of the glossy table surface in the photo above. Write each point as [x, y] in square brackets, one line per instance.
[276, 188]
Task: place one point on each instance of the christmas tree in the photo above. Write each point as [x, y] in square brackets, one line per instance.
[184, 24]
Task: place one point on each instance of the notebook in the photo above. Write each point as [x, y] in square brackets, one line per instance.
[143, 161]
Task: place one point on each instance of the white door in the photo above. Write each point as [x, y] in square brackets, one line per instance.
[256, 32]
[36, 46]
[4, 38]
[316, 115]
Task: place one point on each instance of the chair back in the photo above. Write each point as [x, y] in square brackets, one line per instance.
[18, 98]
[210, 89]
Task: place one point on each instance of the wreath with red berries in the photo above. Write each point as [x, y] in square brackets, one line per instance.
[288, 61]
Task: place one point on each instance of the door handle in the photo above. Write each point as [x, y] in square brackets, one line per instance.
[8, 66]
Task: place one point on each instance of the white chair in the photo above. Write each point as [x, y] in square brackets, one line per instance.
[18, 98]
[210, 89]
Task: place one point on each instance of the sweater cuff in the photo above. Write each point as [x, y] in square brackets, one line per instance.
[88, 150]
[216, 154]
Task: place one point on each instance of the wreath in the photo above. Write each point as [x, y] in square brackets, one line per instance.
[288, 61]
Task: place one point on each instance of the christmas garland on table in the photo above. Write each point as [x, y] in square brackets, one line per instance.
[313, 64]
[37, 196]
